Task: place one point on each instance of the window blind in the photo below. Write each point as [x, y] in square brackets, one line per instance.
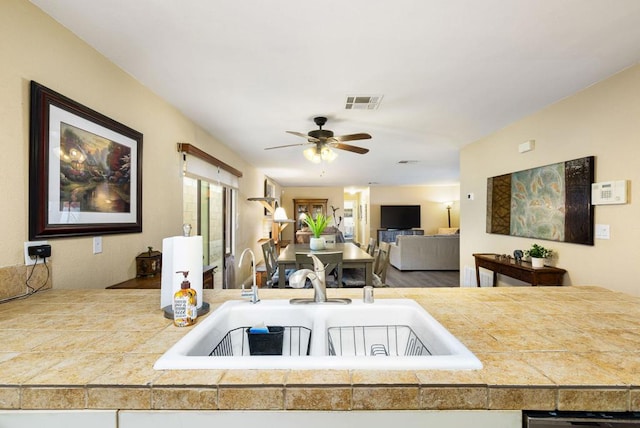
[199, 164]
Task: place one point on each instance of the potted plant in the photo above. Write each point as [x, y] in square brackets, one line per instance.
[317, 226]
[538, 254]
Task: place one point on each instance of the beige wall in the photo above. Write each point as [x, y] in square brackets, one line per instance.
[34, 47]
[604, 121]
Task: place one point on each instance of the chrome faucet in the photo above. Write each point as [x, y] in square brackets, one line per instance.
[253, 293]
[318, 280]
[317, 277]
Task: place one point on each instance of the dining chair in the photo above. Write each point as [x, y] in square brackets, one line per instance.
[330, 240]
[355, 277]
[269, 253]
[381, 265]
[371, 248]
[332, 262]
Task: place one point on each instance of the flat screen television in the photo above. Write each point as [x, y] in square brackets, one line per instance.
[399, 216]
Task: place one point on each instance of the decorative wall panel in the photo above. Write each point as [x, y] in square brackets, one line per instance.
[551, 202]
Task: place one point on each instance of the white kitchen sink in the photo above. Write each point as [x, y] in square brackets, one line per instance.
[388, 334]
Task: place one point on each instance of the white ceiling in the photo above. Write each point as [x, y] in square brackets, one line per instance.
[450, 71]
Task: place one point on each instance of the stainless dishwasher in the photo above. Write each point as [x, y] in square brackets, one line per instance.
[573, 419]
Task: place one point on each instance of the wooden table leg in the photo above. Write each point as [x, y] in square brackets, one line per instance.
[281, 276]
[368, 274]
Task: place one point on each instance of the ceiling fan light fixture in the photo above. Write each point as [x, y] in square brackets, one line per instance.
[312, 155]
[323, 142]
[327, 154]
[316, 155]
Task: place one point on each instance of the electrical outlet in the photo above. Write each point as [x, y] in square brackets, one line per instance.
[28, 260]
[42, 251]
[97, 244]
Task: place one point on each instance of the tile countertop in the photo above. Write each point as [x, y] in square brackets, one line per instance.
[567, 348]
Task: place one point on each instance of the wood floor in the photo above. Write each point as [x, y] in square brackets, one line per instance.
[422, 278]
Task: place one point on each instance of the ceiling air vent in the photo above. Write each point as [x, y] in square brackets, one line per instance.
[363, 102]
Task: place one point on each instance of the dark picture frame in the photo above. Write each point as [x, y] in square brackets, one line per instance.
[270, 192]
[85, 170]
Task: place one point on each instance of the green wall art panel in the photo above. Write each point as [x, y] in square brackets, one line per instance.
[551, 202]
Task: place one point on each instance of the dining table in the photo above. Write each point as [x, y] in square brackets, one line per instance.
[352, 257]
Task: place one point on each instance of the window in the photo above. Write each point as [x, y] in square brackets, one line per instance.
[210, 193]
[210, 208]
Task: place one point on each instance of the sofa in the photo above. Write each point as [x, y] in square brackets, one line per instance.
[434, 252]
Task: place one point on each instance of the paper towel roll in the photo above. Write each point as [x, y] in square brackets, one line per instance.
[180, 253]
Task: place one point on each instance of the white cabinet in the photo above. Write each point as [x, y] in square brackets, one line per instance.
[58, 418]
[280, 419]
[316, 419]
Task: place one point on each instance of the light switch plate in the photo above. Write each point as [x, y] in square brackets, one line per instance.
[97, 244]
[603, 231]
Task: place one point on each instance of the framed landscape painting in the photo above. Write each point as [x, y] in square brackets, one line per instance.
[85, 170]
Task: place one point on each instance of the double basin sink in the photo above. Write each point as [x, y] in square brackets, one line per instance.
[389, 334]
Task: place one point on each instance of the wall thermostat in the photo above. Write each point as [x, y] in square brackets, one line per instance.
[609, 192]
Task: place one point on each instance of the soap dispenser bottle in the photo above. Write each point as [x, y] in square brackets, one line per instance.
[185, 303]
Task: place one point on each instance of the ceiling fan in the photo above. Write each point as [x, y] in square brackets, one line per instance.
[324, 141]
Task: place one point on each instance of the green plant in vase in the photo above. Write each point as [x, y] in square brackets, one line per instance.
[538, 254]
[317, 226]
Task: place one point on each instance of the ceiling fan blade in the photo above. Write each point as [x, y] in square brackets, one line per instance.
[350, 148]
[286, 145]
[300, 134]
[351, 137]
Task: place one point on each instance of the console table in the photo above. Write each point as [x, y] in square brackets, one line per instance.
[522, 271]
[153, 282]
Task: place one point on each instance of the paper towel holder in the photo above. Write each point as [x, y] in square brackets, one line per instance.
[180, 253]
